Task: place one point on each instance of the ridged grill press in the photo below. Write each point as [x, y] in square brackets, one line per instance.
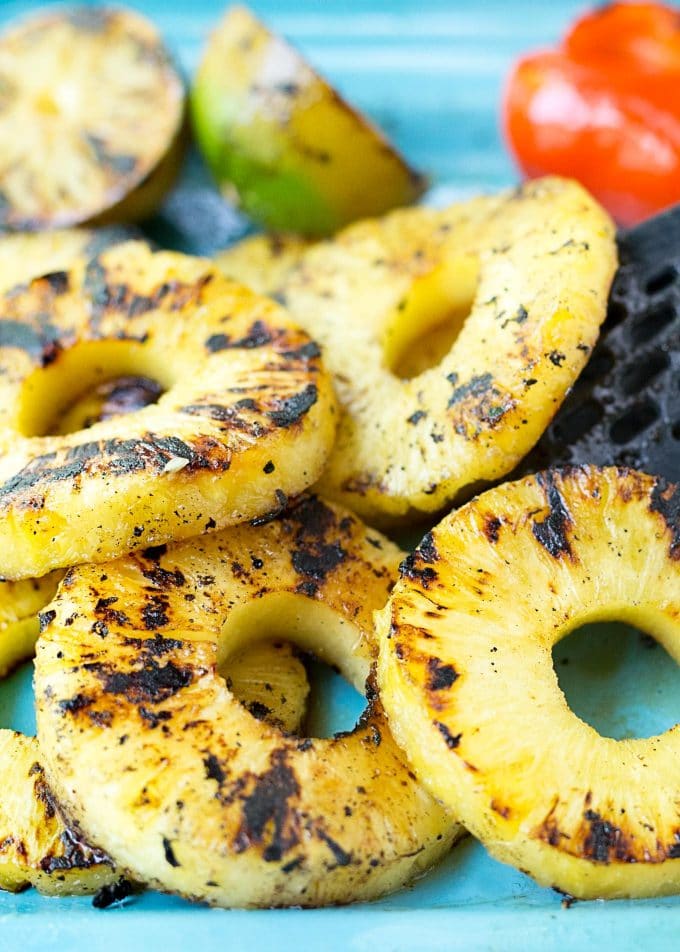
[625, 407]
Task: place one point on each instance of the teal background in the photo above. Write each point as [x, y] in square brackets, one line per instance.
[431, 74]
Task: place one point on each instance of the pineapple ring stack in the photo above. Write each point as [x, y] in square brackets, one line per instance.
[247, 418]
[467, 679]
[534, 267]
[157, 761]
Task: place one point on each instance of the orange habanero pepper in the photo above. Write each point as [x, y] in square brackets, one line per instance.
[604, 108]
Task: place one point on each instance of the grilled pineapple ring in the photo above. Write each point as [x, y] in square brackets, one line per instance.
[467, 679]
[158, 762]
[20, 603]
[535, 265]
[37, 846]
[246, 420]
[27, 255]
[91, 115]
[40, 847]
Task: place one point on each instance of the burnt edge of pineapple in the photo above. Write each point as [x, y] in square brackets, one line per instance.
[624, 409]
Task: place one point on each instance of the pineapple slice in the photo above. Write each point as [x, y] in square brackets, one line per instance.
[533, 268]
[37, 846]
[24, 256]
[467, 678]
[20, 603]
[262, 262]
[271, 681]
[247, 417]
[182, 785]
[91, 116]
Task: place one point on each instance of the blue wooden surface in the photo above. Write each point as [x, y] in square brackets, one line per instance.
[430, 73]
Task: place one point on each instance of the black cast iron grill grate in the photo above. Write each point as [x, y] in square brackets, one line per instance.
[625, 407]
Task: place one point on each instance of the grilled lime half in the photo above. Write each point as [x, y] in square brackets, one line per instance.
[282, 141]
[91, 119]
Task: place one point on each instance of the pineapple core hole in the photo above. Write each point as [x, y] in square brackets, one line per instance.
[619, 680]
[428, 319]
[335, 673]
[85, 385]
[17, 702]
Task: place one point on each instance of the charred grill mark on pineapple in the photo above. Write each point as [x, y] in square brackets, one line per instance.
[451, 740]
[290, 410]
[552, 531]
[409, 569]
[602, 840]
[665, 501]
[40, 340]
[117, 458]
[491, 527]
[269, 818]
[151, 683]
[427, 549]
[111, 296]
[259, 335]
[441, 676]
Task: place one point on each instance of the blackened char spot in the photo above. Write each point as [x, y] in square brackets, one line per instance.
[452, 740]
[213, 768]
[76, 703]
[152, 682]
[154, 718]
[113, 893]
[267, 812]
[258, 336]
[75, 854]
[666, 501]
[169, 853]
[42, 342]
[491, 528]
[427, 549]
[317, 560]
[259, 710]
[604, 841]
[312, 517]
[291, 409]
[475, 387]
[440, 676]
[115, 457]
[46, 618]
[409, 569]
[551, 532]
[156, 647]
[341, 856]
[306, 352]
[164, 578]
[155, 613]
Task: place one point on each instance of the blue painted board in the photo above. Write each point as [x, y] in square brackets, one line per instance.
[431, 74]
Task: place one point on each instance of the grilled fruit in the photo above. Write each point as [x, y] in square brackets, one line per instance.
[180, 783]
[91, 114]
[532, 267]
[262, 262]
[271, 681]
[20, 603]
[281, 141]
[24, 256]
[246, 419]
[467, 679]
[37, 847]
